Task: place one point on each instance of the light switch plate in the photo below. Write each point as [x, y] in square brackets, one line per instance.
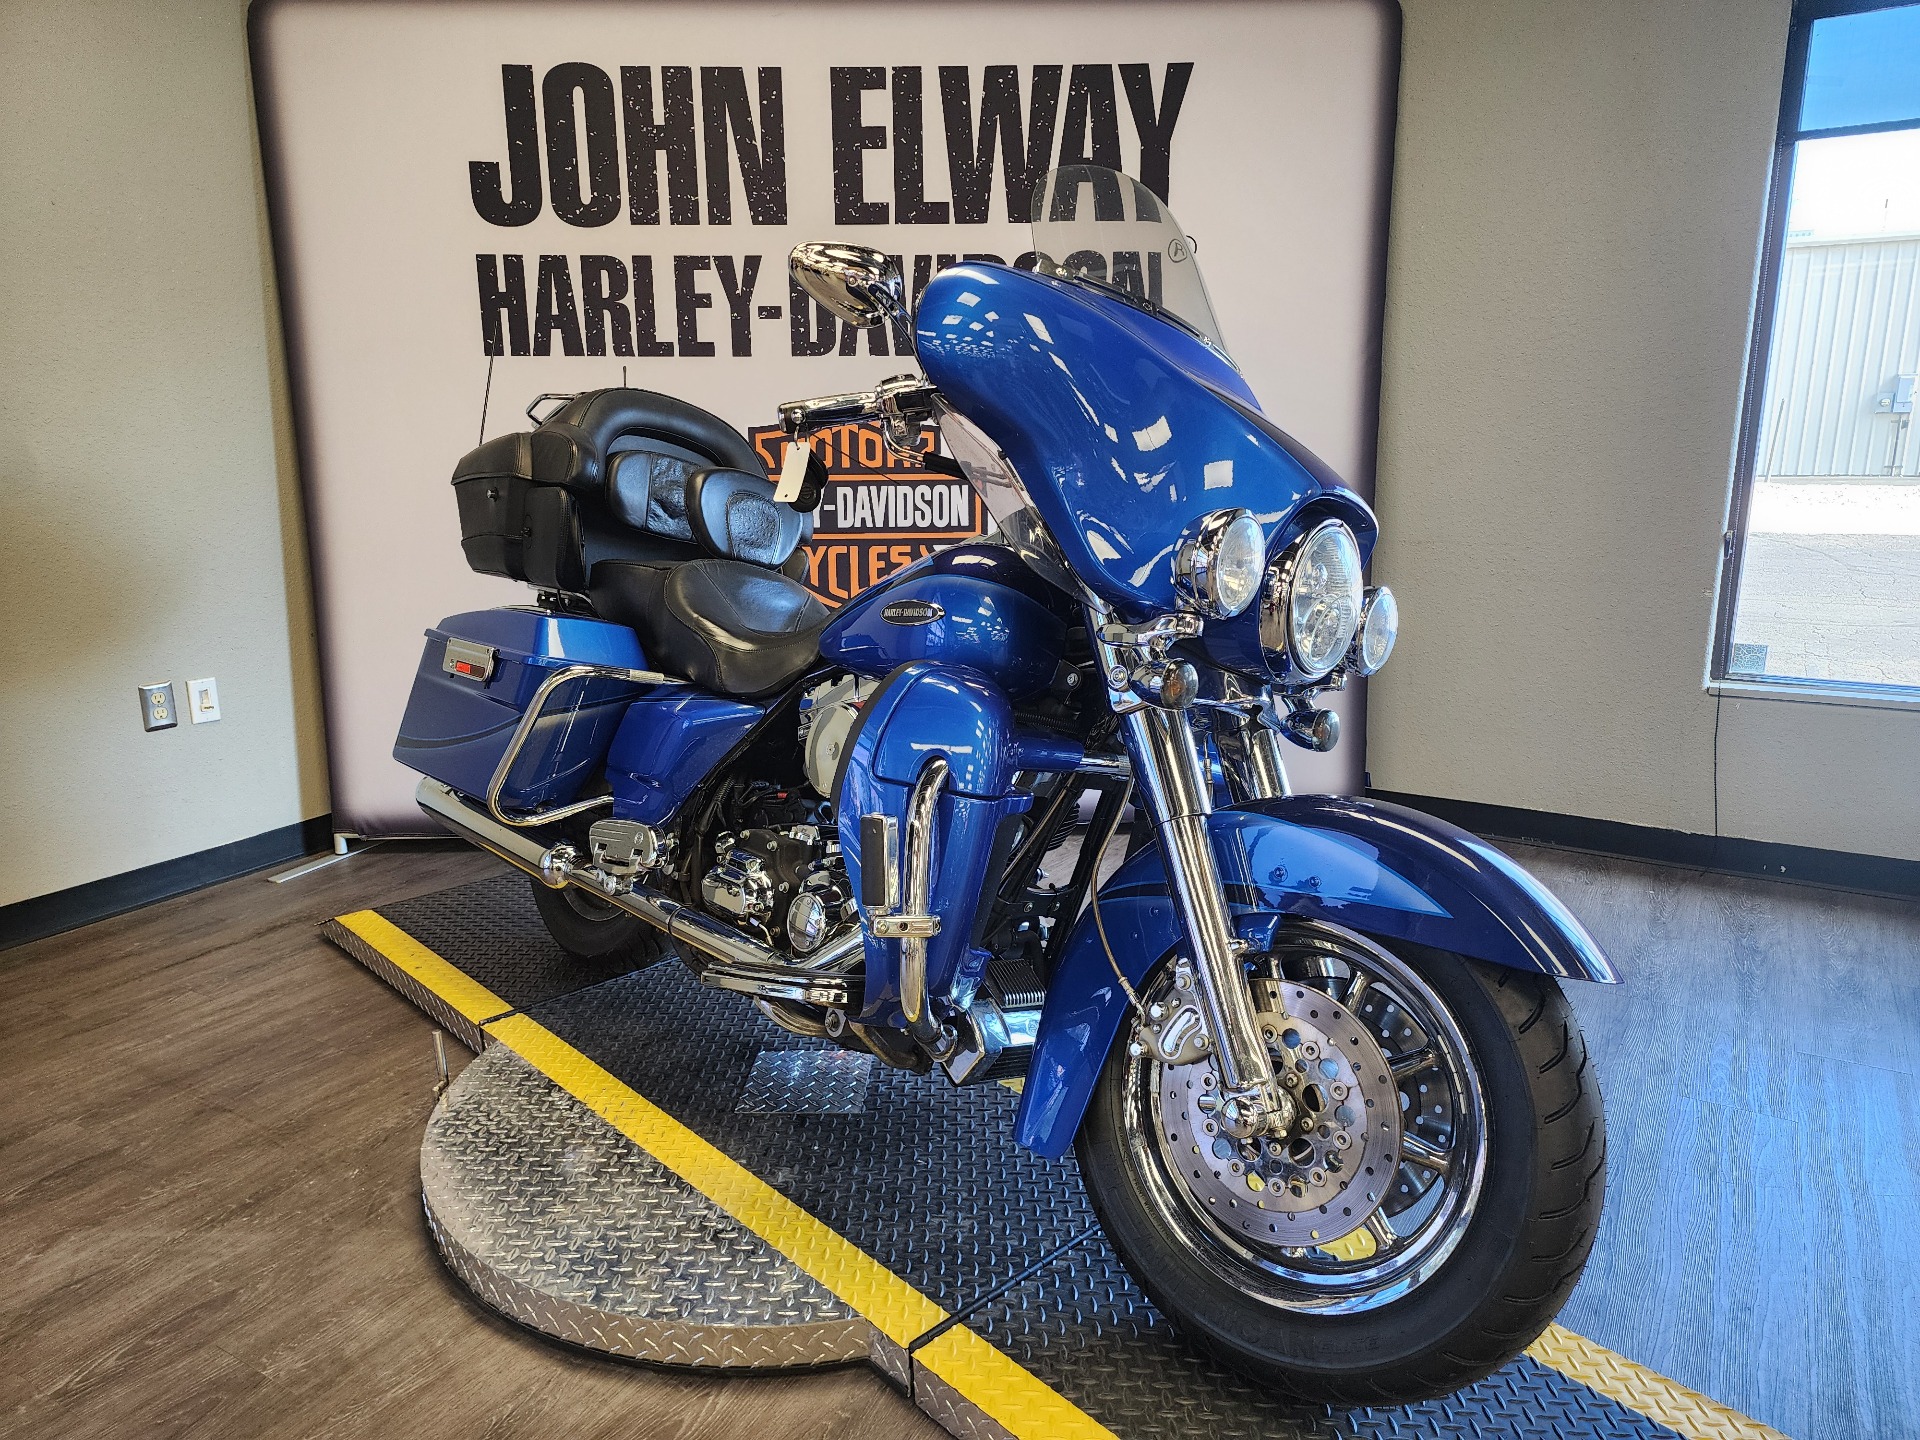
[157, 710]
[203, 701]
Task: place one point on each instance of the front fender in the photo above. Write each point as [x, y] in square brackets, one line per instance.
[1373, 867]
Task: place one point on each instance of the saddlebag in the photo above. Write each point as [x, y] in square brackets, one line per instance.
[478, 675]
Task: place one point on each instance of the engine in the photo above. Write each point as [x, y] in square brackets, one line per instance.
[786, 885]
[777, 872]
[825, 722]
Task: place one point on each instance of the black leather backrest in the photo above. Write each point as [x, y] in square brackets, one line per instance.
[646, 485]
[733, 514]
[574, 447]
[605, 478]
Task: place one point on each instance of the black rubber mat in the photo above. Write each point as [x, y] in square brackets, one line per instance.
[490, 931]
[929, 1182]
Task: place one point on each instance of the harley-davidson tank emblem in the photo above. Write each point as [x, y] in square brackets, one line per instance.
[912, 612]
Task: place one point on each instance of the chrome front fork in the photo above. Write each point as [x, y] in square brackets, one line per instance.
[1250, 756]
[1174, 783]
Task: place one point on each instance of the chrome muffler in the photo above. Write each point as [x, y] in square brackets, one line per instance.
[721, 956]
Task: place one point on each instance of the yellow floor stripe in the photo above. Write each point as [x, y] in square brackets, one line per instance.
[460, 990]
[1667, 1402]
[982, 1374]
[986, 1377]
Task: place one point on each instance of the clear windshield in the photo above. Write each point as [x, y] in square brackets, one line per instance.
[1105, 229]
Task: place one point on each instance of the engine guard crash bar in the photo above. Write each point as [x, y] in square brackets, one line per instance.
[722, 957]
[918, 923]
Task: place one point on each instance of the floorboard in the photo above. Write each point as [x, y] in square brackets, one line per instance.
[1759, 1066]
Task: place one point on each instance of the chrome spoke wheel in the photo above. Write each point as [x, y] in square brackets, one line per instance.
[1368, 1192]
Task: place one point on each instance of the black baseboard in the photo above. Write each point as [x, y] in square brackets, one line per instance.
[46, 915]
[1835, 869]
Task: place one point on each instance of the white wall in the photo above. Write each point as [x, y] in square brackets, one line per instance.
[149, 517]
[1578, 201]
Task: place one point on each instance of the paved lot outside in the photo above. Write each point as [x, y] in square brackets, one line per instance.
[1831, 583]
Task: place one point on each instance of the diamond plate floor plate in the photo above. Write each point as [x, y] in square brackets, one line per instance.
[807, 1082]
[556, 1218]
[490, 931]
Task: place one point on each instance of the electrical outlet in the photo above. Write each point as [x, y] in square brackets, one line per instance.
[157, 710]
[203, 701]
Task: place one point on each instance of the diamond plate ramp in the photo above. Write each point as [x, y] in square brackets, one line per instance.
[568, 1223]
[490, 931]
[928, 1181]
[555, 1219]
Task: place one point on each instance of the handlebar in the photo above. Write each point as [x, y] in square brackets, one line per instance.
[799, 416]
[902, 404]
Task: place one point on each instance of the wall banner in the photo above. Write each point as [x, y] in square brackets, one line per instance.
[477, 203]
[878, 513]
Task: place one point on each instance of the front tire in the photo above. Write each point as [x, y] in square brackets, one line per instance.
[1466, 1223]
[593, 931]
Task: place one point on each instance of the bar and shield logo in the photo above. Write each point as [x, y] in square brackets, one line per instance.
[878, 513]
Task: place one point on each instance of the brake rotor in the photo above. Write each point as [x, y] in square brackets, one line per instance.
[1332, 1168]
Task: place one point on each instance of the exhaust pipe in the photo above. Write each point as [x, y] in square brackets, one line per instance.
[728, 959]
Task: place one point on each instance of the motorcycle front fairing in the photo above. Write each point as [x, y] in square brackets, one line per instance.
[1372, 867]
[1124, 429]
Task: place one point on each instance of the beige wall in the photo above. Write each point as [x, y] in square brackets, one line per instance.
[1578, 199]
[1576, 213]
[149, 516]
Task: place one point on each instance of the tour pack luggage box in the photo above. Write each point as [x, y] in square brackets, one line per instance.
[512, 524]
[477, 677]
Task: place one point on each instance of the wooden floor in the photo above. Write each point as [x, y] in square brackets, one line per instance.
[210, 1124]
[209, 1214]
[1761, 1070]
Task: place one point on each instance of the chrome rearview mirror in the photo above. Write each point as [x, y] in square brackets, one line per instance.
[858, 284]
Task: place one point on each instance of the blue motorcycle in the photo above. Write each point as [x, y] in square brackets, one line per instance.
[1328, 1099]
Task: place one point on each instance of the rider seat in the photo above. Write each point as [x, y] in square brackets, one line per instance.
[732, 628]
[661, 516]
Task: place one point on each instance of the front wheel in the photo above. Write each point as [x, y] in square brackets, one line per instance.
[590, 929]
[1424, 1218]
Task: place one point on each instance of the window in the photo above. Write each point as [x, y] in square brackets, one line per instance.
[1821, 585]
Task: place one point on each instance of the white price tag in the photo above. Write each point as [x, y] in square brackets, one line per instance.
[793, 472]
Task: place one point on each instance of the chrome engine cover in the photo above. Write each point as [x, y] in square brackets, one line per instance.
[827, 713]
[740, 887]
[783, 883]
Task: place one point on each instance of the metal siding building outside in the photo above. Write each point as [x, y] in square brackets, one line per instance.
[1846, 328]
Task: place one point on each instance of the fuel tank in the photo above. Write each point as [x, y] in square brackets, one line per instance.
[975, 605]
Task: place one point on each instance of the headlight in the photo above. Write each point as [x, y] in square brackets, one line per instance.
[1379, 627]
[1217, 568]
[1312, 607]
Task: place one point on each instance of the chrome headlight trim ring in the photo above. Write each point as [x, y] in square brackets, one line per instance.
[1216, 570]
[1379, 628]
[1277, 630]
